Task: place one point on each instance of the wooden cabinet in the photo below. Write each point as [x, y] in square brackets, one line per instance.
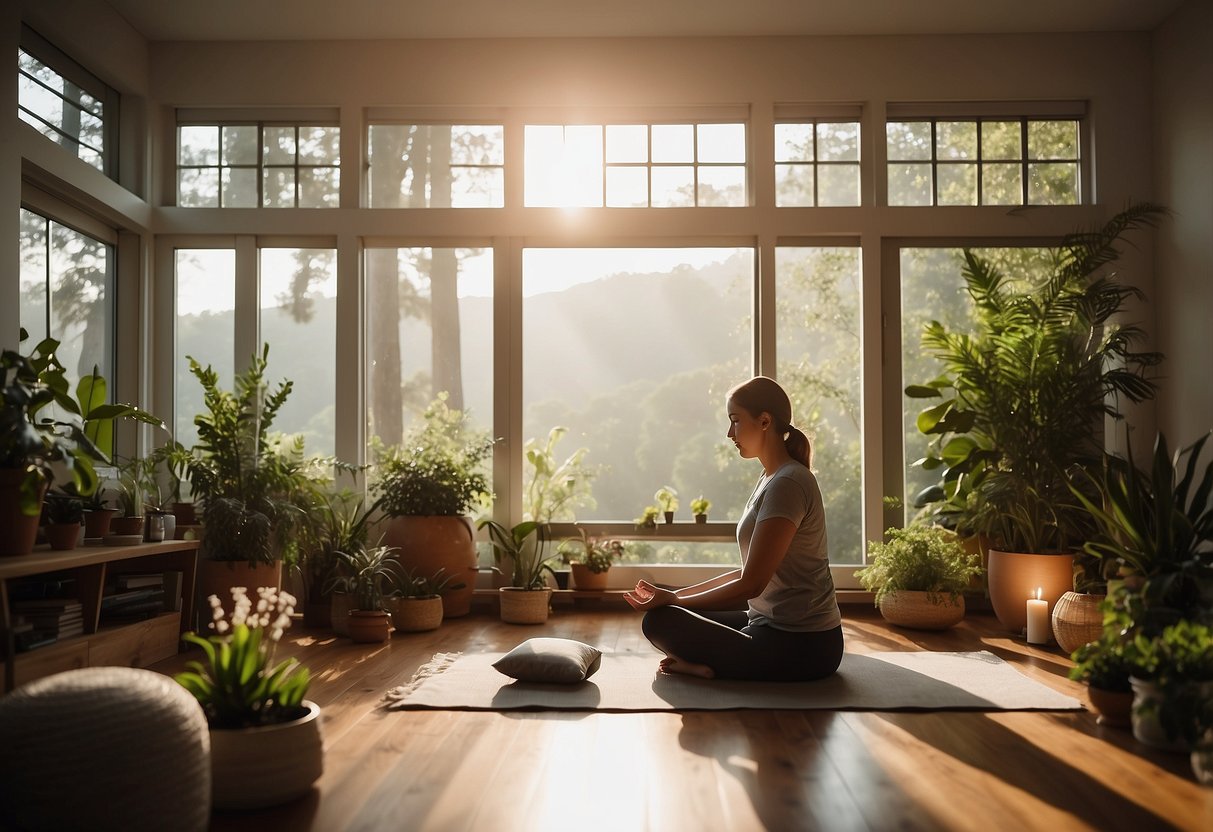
[135, 644]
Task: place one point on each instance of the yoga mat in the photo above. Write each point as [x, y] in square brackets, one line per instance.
[629, 682]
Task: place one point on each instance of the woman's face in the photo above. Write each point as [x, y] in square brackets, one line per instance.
[745, 430]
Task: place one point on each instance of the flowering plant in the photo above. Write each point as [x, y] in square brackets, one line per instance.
[597, 554]
[239, 686]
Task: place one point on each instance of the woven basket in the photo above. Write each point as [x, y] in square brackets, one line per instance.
[524, 606]
[1077, 620]
[416, 615]
[918, 611]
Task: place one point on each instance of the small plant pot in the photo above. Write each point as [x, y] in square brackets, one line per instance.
[370, 626]
[97, 522]
[416, 615]
[583, 578]
[126, 526]
[562, 578]
[669, 516]
[256, 767]
[63, 536]
[186, 514]
[1114, 707]
[524, 606]
[701, 518]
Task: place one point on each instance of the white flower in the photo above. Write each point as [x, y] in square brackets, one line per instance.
[220, 626]
[276, 634]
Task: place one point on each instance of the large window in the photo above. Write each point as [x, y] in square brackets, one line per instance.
[67, 293]
[635, 165]
[818, 327]
[66, 103]
[632, 351]
[429, 330]
[436, 166]
[816, 164]
[205, 294]
[984, 162]
[258, 165]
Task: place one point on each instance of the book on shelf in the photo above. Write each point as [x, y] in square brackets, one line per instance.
[114, 600]
[138, 580]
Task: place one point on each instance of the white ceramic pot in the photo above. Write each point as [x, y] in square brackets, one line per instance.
[256, 767]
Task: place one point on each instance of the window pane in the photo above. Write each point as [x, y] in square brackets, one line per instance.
[722, 186]
[838, 142]
[239, 187]
[957, 184]
[627, 187]
[278, 190]
[1052, 140]
[319, 187]
[80, 290]
[956, 140]
[673, 143]
[632, 350]
[60, 110]
[239, 144]
[429, 314]
[1053, 184]
[279, 145]
[838, 185]
[932, 289]
[581, 165]
[1001, 140]
[627, 143]
[793, 142]
[198, 145]
[206, 302]
[908, 140]
[794, 186]
[721, 143]
[673, 187]
[544, 146]
[818, 326]
[909, 184]
[299, 322]
[35, 236]
[477, 144]
[478, 187]
[320, 145]
[198, 188]
[1001, 184]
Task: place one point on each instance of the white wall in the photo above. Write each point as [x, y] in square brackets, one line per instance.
[1183, 164]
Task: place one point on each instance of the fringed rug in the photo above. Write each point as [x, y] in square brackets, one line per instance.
[629, 682]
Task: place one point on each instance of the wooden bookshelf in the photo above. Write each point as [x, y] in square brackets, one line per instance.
[136, 643]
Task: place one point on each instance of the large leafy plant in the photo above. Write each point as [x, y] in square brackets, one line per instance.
[1021, 399]
[555, 486]
[919, 559]
[438, 470]
[239, 686]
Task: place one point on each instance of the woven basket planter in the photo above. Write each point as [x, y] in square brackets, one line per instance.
[1077, 620]
[256, 767]
[416, 615]
[524, 606]
[922, 610]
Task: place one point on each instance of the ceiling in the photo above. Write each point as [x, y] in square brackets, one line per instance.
[158, 20]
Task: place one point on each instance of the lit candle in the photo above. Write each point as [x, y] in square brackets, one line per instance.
[1038, 619]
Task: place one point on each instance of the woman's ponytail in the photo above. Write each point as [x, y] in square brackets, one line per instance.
[798, 446]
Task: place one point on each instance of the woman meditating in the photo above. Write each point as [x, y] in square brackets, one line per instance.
[791, 630]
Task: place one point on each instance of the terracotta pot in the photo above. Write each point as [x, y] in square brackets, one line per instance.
[416, 615]
[256, 767]
[63, 536]
[17, 531]
[1014, 577]
[370, 626]
[524, 606]
[217, 577]
[97, 522]
[1114, 707]
[583, 578]
[127, 526]
[1077, 620]
[185, 513]
[917, 610]
[339, 613]
[427, 544]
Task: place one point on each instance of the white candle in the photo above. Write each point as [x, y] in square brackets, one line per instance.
[1038, 620]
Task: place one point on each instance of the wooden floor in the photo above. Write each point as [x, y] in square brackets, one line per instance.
[725, 770]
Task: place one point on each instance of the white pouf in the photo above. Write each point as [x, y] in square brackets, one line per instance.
[104, 748]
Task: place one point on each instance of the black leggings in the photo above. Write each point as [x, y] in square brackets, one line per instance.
[727, 643]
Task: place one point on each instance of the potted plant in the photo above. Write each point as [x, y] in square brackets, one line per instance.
[254, 486]
[266, 744]
[919, 576]
[174, 458]
[426, 488]
[699, 508]
[368, 575]
[524, 549]
[667, 501]
[647, 518]
[1102, 665]
[129, 522]
[590, 558]
[341, 524]
[416, 604]
[1015, 411]
[64, 516]
[34, 445]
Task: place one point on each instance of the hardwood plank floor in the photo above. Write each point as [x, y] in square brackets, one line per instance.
[727, 770]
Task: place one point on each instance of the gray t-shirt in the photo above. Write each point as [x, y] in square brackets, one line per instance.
[800, 596]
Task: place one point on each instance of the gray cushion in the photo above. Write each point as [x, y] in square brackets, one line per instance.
[559, 660]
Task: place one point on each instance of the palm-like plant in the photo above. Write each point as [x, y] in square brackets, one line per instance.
[1023, 396]
[524, 547]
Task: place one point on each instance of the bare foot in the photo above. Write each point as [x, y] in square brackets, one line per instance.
[673, 664]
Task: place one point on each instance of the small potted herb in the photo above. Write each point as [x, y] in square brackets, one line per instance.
[699, 508]
[667, 501]
[591, 559]
[1103, 666]
[522, 549]
[368, 576]
[64, 515]
[647, 518]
